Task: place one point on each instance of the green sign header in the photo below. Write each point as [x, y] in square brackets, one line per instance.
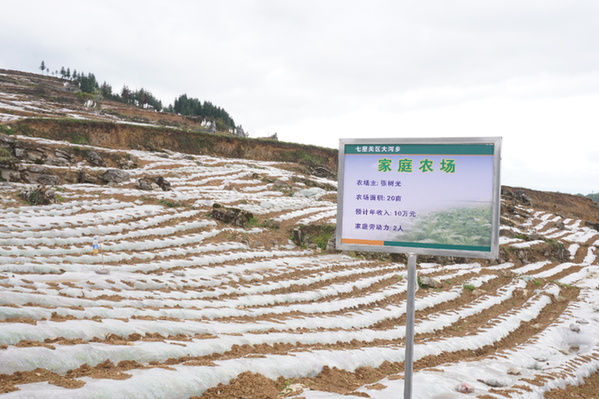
[420, 149]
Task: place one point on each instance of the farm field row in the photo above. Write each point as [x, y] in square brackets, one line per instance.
[175, 303]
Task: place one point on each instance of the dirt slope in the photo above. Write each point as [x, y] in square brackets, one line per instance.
[40, 106]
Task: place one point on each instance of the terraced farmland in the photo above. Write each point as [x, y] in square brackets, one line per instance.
[177, 304]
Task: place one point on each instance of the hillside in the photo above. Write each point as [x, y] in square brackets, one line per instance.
[40, 106]
[135, 265]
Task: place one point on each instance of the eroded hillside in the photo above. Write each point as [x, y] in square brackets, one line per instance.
[40, 106]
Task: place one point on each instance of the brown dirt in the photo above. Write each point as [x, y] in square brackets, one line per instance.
[587, 390]
[253, 385]
[248, 386]
[8, 382]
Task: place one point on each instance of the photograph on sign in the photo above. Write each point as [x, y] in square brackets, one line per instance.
[422, 196]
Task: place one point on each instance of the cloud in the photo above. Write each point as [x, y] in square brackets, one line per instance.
[314, 71]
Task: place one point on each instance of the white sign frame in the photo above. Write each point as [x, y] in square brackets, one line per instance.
[370, 170]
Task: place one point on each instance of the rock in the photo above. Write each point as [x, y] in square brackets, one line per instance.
[429, 282]
[36, 174]
[9, 175]
[234, 216]
[321, 171]
[163, 183]
[115, 176]
[127, 163]
[153, 183]
[332, 244]
[38, 195]
[56, 161]
[7, 141]
[34, 155]
[575, 327]
[84, 177]
[297, 236]
[60, 158]
[48, 180]
[495, 382]
[560, 299]
[534, 236]
[146, 184]
[94, 158]
[508, 233]
[464, 388]
[594, 226]
[314, 236]
[514, 371]
[522, 197]
[37, 169]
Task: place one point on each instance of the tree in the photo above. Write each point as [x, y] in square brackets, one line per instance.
[193, 107]
[106, 90]
[88, 84]
[125, 94]
[43, 67]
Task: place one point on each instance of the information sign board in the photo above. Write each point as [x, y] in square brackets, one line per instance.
[420, 196]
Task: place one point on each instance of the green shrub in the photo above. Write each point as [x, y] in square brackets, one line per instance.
[80, 139]
[469, 287]
[6, 156]
[170, 204]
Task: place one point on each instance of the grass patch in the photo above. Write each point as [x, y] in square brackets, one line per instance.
[39, 196]
[313, 235]
[563, 285]
[6, 157]
[324, 235]
[81, 96]
[80, 139]
[303, 157]
[267, 223]
[170, 204]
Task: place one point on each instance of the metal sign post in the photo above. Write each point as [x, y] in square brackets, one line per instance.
[419, 196]
[410, 310]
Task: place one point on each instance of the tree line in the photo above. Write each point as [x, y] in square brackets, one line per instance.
[143, 98]
[594, 196]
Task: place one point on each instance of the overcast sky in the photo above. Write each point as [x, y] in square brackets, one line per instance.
[315, 71]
